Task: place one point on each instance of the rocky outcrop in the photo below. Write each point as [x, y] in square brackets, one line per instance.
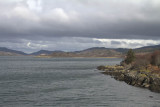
[134, 78]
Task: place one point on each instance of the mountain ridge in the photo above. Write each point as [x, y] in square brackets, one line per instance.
[10, 52]
[90, 52]
[44, 52]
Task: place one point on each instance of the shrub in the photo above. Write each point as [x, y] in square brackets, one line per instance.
[155, 58]
[142, 61]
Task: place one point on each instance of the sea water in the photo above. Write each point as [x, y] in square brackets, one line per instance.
[66, 82]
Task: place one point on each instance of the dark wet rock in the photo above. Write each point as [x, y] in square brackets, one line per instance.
[101, 68]
[155, 86]
[135, 78]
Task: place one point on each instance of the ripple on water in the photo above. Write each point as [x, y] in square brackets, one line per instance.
[61, 82]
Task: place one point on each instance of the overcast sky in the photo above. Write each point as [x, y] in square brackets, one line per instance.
[31, 25]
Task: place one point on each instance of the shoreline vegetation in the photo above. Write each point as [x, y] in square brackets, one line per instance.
[137, 70]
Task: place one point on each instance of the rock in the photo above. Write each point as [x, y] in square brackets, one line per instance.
[155, 86]
[128, 79]
[145, 85]
[101, 68]
[121, 77]
[135, 78]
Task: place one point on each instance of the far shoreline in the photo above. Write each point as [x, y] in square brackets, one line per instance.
[72, 57]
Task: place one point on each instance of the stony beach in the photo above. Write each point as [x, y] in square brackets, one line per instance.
[137, 78]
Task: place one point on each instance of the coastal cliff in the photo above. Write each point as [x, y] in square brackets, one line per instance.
[137, 78]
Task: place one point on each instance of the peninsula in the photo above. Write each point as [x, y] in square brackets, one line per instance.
[137, 70]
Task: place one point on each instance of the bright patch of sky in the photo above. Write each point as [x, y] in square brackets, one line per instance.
[75, 44]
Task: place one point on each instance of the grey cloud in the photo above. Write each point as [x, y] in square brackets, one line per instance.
[115, 43]
[78, 18]
[23, 21]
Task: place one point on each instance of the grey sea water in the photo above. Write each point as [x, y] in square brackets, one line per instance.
[66, 82]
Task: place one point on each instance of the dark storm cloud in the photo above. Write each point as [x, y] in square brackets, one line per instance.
[80, 18]
[51, 24]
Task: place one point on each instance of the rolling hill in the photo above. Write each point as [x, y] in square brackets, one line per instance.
[9, 52]
[147, 49]
[90, 52]
[44, 52]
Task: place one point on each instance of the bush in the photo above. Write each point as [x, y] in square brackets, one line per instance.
[142, 61]
[155, 58]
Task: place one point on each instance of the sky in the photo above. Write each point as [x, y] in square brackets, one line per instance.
[71, 25]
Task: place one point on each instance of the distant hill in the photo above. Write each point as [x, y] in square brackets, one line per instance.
[105, 52]
[147, 49]
[44, 52]
[90, 52]
[9, 52]
[122, 50]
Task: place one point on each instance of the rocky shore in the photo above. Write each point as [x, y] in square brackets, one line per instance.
[132, 77]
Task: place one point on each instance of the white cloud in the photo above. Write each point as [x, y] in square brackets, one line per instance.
[74, 44]
[57, 14]
[23, 12]
[28, 44]
[35, 5]
[36, 45]
[127, 43]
